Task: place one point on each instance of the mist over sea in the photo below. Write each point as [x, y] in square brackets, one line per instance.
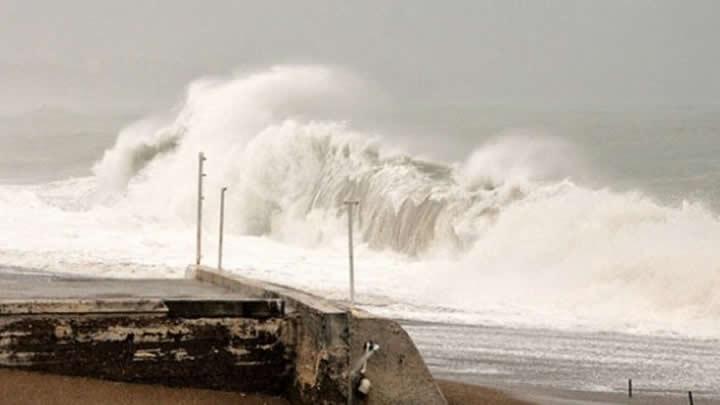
[670, 153]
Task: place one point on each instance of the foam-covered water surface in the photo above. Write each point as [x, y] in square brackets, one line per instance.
[601, 362]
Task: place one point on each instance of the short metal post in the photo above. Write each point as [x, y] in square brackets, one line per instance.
[690, 398]
[350, 205]
[351, 388]
[201, 160]
[222, 221]
[630, 388]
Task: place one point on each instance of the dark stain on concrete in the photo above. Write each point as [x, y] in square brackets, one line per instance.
[237, 354]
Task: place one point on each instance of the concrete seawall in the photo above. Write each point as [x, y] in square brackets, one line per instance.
[172, 332]
[328, 337]
[213, 330]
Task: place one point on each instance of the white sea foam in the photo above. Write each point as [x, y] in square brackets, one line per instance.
[504, 237]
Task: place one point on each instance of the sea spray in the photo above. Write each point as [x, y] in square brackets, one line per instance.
[507, 235]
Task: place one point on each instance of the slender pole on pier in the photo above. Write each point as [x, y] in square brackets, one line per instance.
[222, 221]
[201, 160]
[350, 205]
[690, 398]
[630, 388]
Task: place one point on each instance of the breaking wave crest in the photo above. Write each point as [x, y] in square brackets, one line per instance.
[505, 230]
[289, 175]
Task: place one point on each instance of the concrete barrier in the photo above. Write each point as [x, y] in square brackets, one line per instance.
[197, 336]
[327, 337]
[238, 354]
[214, 330]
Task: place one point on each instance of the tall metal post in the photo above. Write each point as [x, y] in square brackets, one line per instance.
[222, 221]
[350, 205]
[201, 160]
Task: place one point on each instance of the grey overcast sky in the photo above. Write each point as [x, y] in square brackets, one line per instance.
[138, 55]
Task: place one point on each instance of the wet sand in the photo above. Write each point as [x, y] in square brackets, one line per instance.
[26, 388]
[30, 388]
[462, 394]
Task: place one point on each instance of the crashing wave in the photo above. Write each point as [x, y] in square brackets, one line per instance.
[283, 170]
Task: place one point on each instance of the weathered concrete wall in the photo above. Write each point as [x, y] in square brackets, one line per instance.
[157, 344]
[218, 331]
[319, 339]
[397, 371]
[326, 333]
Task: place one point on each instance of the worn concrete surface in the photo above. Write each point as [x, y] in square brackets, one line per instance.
[21, 284]
[216, 330]
[319, 337]
[237, 354]
[326, 333]
[173, 332]
[397, 370]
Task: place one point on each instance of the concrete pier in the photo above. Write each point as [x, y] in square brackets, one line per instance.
[172, 332]
[329, 337]
[212, 330]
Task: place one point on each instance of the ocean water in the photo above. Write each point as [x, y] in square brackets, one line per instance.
[526, 358]
[593, 228]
